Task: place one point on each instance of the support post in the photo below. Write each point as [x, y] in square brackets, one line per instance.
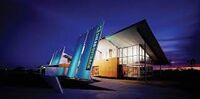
[145, 63]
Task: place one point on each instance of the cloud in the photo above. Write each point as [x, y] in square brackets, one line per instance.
[182, 47]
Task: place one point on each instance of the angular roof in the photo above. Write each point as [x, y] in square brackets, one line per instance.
[139, 33]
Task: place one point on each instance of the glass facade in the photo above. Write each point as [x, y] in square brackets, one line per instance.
[132, 55]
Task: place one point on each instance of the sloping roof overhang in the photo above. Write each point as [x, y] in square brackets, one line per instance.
[141, 34]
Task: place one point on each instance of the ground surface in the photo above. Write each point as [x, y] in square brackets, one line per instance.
[103, 89]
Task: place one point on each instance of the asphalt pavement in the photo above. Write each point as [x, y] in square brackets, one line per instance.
[102, 89]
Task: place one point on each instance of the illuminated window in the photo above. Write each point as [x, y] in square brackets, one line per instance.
[132, 55]
[135, 50]
[130, 60]
[125, 52]
[130, 52]
[125, 60]
[110, 53]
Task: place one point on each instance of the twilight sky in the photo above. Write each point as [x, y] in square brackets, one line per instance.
[31, 30]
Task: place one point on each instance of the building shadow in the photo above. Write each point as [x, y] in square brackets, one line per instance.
[78, 84]
[22, 78]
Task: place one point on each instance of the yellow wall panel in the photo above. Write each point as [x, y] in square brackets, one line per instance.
[107, 67]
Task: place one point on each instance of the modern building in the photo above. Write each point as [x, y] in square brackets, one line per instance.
[130, 52]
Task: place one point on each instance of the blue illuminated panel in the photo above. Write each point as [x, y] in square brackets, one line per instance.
[86, 60]
[53, 59]
[56, 57]
[76, 57]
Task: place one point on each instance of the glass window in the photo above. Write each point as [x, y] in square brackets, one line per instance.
[134, 50]
[131, 55]
[130, 60]
[130, 52]
[125, 52]
[120, 60]
[120, 53]
[141, 51]
[125, 60]
[110, 53]
[135, 59]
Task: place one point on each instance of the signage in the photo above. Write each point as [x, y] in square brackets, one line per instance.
[89, 50]
[94, 47]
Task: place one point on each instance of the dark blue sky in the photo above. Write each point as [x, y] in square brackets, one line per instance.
[31, 30]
